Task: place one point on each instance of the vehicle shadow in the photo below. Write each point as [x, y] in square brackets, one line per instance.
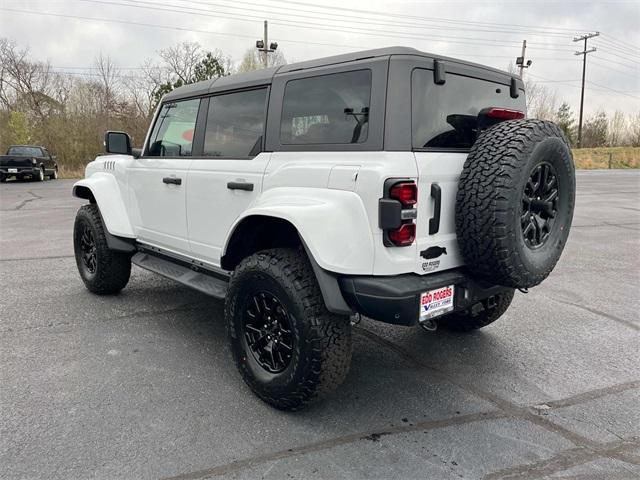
[392, 384]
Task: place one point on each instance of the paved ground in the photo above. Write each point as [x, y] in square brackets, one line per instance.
[141, 385]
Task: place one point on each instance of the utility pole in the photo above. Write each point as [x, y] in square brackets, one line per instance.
[520, 60]
[265, 47]
[584, 71]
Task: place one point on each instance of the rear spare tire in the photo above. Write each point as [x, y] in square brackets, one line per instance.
[515, 202]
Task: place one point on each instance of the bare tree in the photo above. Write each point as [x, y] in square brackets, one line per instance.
[634, 130]
[252, 60]
[542, 102]
[182, 59]
[617, 129]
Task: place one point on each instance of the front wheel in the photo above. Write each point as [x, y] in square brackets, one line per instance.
[478, 316]
[39, 177]
[102, 270]
[289, 349]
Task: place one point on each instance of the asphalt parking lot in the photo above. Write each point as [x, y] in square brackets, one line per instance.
[141, 385]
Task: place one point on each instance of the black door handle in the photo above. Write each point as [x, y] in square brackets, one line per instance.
[240, 186]
[172, 180]
[434, 222]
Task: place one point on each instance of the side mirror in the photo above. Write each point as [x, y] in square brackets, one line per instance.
[117, 142]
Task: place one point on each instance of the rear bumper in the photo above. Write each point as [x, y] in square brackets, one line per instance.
[396, 299]
[21, 171]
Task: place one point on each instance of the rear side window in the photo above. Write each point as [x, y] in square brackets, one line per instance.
[235, 124]
[446, 116]
[327, 109]
[172, 134]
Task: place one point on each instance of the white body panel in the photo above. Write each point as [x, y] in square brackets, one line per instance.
[158, 210]
[105, 180]
[443, 169]
[212, 208]
[330, 197]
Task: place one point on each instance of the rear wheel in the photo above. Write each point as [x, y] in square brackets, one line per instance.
[3, 178]
[54, 175]
[289, 349]
[102, 270]
[480, 315]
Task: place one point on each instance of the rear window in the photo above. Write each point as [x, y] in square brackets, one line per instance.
[446, 116]
[21, 151]
[327, 109]
[235, 123]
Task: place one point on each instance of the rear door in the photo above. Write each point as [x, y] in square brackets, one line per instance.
[227, 177]
[444, 127]
[158, 180]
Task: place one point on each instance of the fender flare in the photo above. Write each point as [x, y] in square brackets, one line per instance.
[103, 189]
[332, 224]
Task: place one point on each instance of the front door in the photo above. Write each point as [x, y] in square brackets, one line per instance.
[158, 181]
[227, 178]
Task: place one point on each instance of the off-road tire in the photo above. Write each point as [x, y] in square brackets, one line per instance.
[468, 320]
[3, 178]
[54, 175]
[321, 340]
[112, 269]
[490, 208]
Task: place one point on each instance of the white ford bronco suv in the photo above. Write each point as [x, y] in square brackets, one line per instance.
[399, 185]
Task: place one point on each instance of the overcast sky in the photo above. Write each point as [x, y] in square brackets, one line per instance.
[485, 31]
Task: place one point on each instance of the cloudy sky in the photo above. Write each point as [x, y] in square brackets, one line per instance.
[70, 33]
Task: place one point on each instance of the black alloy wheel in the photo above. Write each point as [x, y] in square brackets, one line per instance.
[267, 331]
[539, 205]
[88, 249]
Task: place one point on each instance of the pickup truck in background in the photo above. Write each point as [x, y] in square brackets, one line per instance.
[31, 161]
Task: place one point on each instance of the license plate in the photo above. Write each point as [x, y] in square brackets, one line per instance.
[13, 170]
[436, 302]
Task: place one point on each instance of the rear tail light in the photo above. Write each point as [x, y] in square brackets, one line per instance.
[405, 192]
[403, 236]
[397, 212]
[504, 114]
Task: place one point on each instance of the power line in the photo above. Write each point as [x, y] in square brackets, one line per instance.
[570, 83]
[432, 19]
[623, 50]
[168, 27]
[613, 90]
[429, 23]
[158, 6]
[630, 45]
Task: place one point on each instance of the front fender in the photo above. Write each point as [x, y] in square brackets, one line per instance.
[105, 190]
[332, 223]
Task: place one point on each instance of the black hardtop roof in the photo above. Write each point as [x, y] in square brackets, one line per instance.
[265, 76]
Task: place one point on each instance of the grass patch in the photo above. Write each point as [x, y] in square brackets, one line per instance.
[607, 157]
[65, 172]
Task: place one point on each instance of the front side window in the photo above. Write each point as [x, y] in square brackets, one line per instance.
[235, 124]
[172, 134]
[327, 109]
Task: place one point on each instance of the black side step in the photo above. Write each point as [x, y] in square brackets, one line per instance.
[215, 287]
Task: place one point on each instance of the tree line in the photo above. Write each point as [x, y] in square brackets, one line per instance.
[598, 129]
[68, 112]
